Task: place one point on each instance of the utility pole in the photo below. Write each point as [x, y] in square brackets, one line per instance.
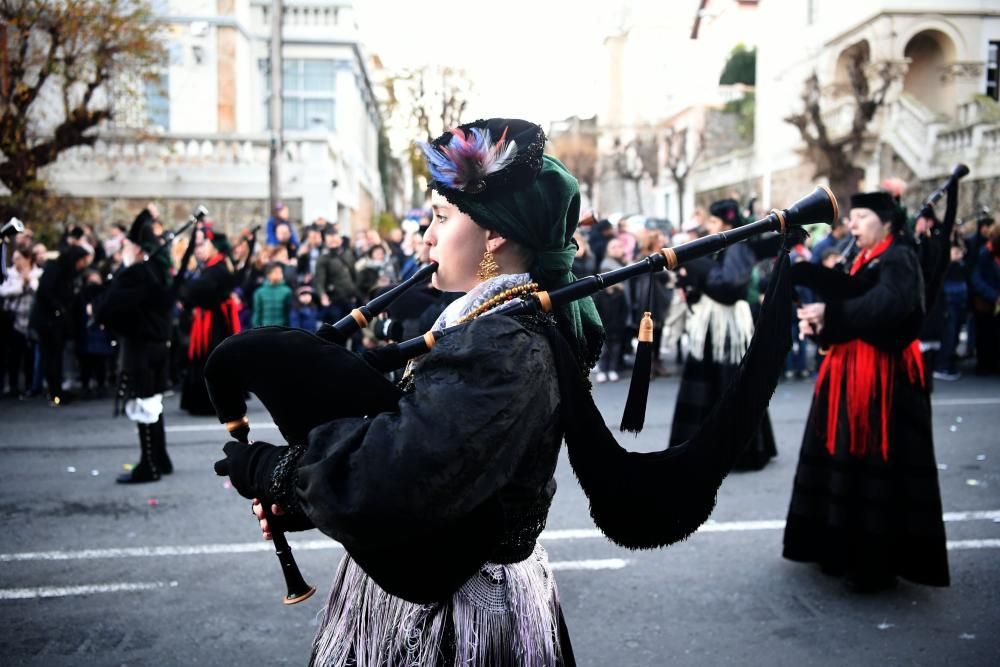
[276, 69]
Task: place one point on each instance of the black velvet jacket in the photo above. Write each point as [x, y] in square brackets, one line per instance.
[209, 287]
[882, 304]
[137, 303]
[460, 474]
[725, 278]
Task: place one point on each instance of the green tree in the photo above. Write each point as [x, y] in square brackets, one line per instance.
[743, 109]
[741, 66]
[62, 59]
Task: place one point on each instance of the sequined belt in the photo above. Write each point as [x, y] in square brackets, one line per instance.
[521, 530]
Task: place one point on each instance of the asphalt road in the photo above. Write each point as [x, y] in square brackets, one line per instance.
[173, 573]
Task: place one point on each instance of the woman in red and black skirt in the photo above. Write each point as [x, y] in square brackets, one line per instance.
[866, 502]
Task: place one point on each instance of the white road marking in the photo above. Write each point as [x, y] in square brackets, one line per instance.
[570, 534]
[980, 515]
[219, 428]
[66, 591]
[965, 401]
[140, 552]
[559, 565]
[194, 428]
[132, 587]
[738, 526]
[973, 544]
[325, 544]
[596, 564]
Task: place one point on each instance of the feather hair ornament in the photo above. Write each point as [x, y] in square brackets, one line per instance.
[468, 158]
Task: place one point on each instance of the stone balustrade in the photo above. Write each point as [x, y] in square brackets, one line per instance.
[325, 175]
[151, 150]
[838, 116]
[733, 167]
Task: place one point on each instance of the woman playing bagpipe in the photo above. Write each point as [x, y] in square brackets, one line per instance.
[214, 312]
[719, 329]
[866, 502]
[439, 489]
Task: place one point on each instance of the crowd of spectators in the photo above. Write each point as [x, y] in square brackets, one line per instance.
[304, 275]
[48, 335]
[962, 326]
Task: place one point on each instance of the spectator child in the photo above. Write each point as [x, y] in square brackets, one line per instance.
[305, 313]
[273, 300]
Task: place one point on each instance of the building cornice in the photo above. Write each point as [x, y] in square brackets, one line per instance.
[217, 21]
[889, 13]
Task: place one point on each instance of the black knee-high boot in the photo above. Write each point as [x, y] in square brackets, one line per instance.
[163, 464]
[145, 470]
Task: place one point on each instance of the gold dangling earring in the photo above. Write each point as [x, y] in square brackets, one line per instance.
[487, 267]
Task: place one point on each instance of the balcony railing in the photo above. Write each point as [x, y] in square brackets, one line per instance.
[733, 167]
[222, 165]
[152, 150]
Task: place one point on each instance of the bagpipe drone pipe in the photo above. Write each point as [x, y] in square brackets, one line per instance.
[638, 500]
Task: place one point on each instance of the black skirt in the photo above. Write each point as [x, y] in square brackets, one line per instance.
[194, 393]
[702, 384]
[866, 515]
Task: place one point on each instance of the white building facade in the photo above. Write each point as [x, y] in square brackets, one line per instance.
[940, 108]
[203, 135]
[660, 79]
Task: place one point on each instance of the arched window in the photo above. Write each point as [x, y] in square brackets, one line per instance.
[859, 52]
[927, 80]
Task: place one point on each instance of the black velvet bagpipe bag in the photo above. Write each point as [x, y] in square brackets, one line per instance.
[301, 379]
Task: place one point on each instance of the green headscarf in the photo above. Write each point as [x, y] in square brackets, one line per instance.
[542, 217]
[539, 211]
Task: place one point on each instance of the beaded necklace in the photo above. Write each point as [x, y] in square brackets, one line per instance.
[496, 300]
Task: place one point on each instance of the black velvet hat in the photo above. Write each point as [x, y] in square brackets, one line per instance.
[141, 233]
[879, 202]
[727, 210]
[217, 238]
[495, 172]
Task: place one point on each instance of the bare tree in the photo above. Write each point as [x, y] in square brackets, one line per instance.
[421, 98]
[634, 161]
[681, 153]
[578, 152]
[837, 157]
[62, 59]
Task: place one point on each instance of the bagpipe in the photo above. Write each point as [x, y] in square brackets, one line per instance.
[958, 172]
[304, 380]
[935, 258]
[168, 237]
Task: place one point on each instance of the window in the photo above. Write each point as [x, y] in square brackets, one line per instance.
[158, 100]
[308, 93]
[993, 71]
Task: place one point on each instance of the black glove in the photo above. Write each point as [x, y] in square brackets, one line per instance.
[250, 467]
[793, 236]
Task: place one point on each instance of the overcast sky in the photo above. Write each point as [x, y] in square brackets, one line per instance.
[540, 60]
